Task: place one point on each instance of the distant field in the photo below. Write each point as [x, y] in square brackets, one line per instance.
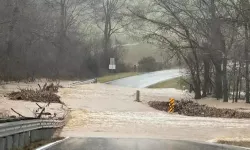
[116, 76]
[174, 83]
[137, 52]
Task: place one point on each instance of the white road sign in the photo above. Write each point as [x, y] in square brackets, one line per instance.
[112, 65]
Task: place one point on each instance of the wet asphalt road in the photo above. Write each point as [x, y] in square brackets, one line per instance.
[134, 144]
[147, 79]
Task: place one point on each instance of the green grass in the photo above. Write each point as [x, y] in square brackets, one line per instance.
[176, 83]
[116, 76]
[236, 143]
[136, 52]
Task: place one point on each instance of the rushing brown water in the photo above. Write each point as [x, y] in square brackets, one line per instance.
[109, 111]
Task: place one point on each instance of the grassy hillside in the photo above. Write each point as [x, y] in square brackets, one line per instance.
[137, 52]
[176, 83]
[116, 76]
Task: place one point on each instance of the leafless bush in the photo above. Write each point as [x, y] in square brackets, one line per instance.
[45, 93]
[191, 108]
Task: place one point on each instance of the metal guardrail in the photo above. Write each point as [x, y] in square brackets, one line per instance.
[12, 128]
[20, 133]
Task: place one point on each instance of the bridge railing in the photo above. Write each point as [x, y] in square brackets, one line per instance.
[16, 135]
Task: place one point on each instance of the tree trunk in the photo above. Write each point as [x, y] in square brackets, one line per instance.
[61, 39]
[244, 5]
[63, 16]
[105, 46]
[206, 77]
[107, 32]
[240, 89]
[237, 90]
[197, 92]
[234, 78]
[196, 82]
[12, 24]
[238, 84]
[217, 47]
[10, 38]
[225, 81]
[197, 88]
[247, 62]
[218, 82]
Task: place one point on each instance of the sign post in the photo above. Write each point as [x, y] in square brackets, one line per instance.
[171, 105]
[112, 65]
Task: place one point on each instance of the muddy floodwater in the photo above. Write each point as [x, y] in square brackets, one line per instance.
[99, 110]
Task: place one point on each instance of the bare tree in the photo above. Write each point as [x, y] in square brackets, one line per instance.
[182, 38]
[245, 5]
[197, 33]
[108, 16]
[45, 39]
[241, 18]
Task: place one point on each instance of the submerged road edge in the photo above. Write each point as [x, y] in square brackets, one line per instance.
[52, 144]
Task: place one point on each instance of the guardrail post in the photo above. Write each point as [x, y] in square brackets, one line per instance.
[138, 96]
[21, 140]
[52, 132]
[47, 134]
[44, 134]
[39, 134]
[3, 143]
[26, 138]
[34, 136]
[15, 137]
[16, 141]
[9, 144]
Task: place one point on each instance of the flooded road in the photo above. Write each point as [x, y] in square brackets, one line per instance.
[147, 79]
[99, 110]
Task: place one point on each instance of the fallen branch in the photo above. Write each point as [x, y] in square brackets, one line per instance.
[47, 104]
[40, 88]
[44, 86]
[191, 108]
[35, 96]
[44, 114]
[20, 115]
[39, 105]
[40, 115]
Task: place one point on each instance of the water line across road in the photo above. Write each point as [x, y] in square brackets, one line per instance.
[136, 144]
[147, 79]
[106, 117]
